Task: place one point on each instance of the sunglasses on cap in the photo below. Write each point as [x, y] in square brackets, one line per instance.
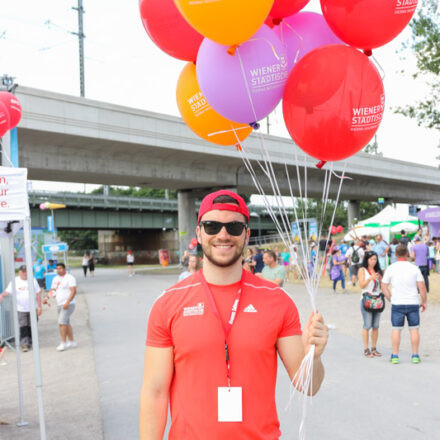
[232, 228]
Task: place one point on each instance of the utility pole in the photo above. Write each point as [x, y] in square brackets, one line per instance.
[81, 37]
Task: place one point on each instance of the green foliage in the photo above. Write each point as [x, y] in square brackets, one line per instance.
[368, 209]
[373, 148]
[426, 45]
[150, 193]
[79, 239]
[314, 209]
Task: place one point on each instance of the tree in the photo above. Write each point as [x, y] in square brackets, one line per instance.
[150, 193]
[373, 148]
[79, 239]
[425, 43]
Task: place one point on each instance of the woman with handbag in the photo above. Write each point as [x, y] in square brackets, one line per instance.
[372, 301]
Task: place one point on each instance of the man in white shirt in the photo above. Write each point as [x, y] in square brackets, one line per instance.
[407, 282]
[64, 290]
[23, 308]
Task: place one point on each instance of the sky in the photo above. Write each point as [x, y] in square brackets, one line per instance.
[123, 66]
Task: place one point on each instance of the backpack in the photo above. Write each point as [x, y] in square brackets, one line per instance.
[355, 257]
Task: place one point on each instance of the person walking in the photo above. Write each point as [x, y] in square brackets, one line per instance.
[370, 276]
[64, 290]
[258, 260]
[130, 263]
[92, 264]
[23, 306]
[381, 247]
[336, 272]
[193, 267]
[404, 239]
[285, 260]
[39, 272]
[407, 283]
[213, 341]
[85, 263]
[420, 255]
[354, 256]
[393, 246]
[272, 271]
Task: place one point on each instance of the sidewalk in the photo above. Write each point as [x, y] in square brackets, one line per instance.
[70, 389]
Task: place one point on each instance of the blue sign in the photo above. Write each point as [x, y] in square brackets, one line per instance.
[55, 247]
[313, 228]
[50, 225]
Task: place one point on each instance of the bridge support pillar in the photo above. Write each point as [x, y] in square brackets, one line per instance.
[186, 202]
[354, 212]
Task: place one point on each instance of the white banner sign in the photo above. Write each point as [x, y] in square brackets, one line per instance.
[14, 203]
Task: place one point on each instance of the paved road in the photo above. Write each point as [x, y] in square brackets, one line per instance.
[361, 398]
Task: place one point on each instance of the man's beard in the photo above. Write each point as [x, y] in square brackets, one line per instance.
[230, 262]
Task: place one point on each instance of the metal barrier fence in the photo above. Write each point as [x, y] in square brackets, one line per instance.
[6, 320]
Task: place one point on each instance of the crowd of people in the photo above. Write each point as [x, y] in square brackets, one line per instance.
[373, 264]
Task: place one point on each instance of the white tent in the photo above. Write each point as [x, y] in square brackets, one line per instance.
[14, 215]
[381, 223]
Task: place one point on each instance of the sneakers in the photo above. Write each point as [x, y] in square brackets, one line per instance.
[63, 346]
[394, 359]
[71, 344]
[415, 359]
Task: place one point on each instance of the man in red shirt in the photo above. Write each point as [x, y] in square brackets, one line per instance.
[213, 339]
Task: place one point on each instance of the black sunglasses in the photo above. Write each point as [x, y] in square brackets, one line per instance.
[232, 228]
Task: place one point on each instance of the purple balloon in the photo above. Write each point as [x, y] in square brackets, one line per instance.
[247, 97]
[303, 32]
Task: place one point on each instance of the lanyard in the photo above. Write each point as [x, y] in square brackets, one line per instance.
[226, 326]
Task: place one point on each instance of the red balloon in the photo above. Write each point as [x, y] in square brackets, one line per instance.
[367, 24]
[5, 120]
[194, 242]
[286, 8]
[339, 229]
[333, 230]
[13, 106]
[169, 30]
[344, 116]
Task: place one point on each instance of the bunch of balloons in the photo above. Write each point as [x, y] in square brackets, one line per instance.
[245, 56]
[10, 112]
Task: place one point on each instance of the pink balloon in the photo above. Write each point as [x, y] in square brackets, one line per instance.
[303, 32]
[247, 97]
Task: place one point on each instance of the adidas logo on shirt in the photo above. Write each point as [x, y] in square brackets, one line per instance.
[250, 309]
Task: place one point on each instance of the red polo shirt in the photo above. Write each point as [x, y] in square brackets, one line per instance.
[183, 318]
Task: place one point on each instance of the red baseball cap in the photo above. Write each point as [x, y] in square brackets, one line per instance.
[209, 205]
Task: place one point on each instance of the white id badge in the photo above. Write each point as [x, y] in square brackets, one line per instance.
[230, 404]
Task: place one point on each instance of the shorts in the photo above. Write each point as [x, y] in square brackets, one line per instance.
[64, 315]
[130, 264]
[40, 282]
[371, 318]
[285, 263]
[398, 313]
[355, 269]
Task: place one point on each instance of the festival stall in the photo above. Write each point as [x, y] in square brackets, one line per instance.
[14, 215]
[431, 216]
[386, 222]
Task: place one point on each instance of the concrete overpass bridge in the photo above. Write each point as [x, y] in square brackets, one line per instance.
[141, 224]
[67, 138]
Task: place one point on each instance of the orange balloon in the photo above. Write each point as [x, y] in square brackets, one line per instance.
[200, 117]
[226, 22]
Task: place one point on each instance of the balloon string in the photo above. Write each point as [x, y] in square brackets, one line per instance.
[246, 127]
[5, 155]
[269, 43]
[379, 66]
[301, 39]
[247, 85]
